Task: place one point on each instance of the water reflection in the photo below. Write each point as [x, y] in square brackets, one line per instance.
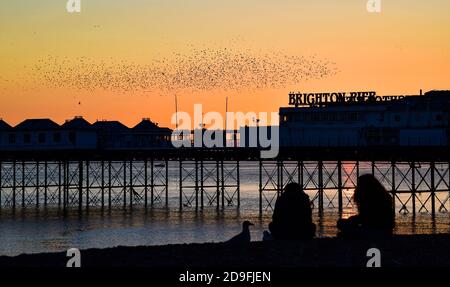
[47, 230]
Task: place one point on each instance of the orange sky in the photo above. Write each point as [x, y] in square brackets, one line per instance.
[404, 48]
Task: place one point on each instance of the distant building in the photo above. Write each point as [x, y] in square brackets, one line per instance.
[411, 121]
[79, 134]
[35, 134]
[4, 134]
[112, 135]
[422, 120]
[147, 134]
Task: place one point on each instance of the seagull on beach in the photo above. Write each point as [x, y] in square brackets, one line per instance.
[244, 236]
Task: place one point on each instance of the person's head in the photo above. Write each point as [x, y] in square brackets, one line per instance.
[294, 192]
[370, 195]
[293, 188]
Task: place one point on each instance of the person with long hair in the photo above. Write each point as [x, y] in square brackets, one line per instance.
[292, 216]
[375, 216]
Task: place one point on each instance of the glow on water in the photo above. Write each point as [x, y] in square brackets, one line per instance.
[48, 231]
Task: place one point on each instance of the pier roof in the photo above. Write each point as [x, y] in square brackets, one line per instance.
[145, 124]
[110, 126]
[37, 124]
[4, 125]
[77, 123]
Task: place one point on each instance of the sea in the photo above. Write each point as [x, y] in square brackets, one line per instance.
[32, 230]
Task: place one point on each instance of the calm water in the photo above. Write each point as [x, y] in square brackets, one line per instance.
[32, 231]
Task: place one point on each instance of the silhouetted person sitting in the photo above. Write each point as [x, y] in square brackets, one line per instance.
[375, 211]
[292, 218]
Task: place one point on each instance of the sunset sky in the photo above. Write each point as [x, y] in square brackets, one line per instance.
[404, 48]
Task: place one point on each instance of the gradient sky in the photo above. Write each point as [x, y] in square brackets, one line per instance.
[404, 48]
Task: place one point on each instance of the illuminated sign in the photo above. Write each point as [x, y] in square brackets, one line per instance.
[319, 99]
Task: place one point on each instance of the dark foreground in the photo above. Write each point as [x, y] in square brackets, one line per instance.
[400, 251]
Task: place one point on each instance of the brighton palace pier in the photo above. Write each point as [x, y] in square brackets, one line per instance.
[324, 145]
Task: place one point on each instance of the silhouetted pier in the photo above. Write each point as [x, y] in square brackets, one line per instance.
[211, 177]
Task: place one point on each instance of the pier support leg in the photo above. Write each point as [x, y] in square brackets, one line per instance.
[357, 171]
[14, 186]
[167, 183]
[300, 174]
[222, 179]
[124, 165]
[38, 186]
[196, 183]
[413, 187]
[103, 184]
[146, 183]
[238, 181]
[433, 189]
[260, 188]
[131, 189]
[217, 185]
[1, 184]
[65, 188]
[45, 183]
[109, 185]
[23, 184]
[88, 170]
[60, 168]
[180, 185]
[340, 204]
[320, 183]
[80, 186]
[393, 185]
[201, 185]
[279, 177]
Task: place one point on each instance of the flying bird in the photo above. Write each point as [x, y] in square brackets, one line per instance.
[195, 70]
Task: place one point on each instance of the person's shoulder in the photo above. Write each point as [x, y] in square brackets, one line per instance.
[354, 217]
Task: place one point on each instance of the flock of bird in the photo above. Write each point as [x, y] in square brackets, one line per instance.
[195, 70]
